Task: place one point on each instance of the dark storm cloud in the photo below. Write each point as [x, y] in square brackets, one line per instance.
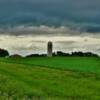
[82, 15]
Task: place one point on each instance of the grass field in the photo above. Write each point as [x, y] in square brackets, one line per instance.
[43, 78]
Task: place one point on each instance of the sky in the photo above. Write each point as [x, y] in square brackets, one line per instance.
[72, 25]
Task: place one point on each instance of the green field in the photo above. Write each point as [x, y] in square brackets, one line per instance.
[56, 78]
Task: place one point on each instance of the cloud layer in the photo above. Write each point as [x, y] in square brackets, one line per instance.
[77, 14]
[29, 44]
[27, 25]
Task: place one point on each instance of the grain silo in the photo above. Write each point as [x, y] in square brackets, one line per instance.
[49, 49]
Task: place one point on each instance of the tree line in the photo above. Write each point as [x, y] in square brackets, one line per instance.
[60, 53]
[5, 53]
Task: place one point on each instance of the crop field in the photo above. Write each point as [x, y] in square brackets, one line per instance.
[83, 64]
[56, 78]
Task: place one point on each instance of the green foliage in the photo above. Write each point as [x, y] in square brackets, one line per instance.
[4, 53]
[42, 78]
[83, 64]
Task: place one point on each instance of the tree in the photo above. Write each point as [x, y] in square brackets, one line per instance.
[4, 53]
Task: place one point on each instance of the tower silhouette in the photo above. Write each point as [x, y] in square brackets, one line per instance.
[49, 49]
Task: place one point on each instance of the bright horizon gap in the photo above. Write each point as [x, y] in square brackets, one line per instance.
[28, 44]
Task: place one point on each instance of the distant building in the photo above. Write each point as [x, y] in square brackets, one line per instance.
[49, 49]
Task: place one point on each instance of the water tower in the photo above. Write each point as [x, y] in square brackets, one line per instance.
[49, 49]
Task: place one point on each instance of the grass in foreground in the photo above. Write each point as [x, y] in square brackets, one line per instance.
[29, 81]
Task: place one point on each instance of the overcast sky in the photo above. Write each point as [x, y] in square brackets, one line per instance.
[77, 14]
[72, 25]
